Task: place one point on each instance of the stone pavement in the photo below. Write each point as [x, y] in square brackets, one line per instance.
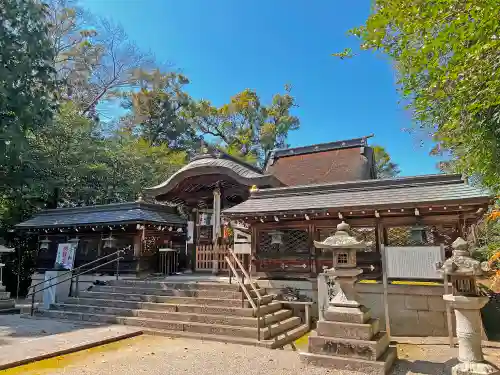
[24, 340]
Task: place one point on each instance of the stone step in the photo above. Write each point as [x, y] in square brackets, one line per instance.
[205, 293]
[187, 285]
[173, 300]
[380, 367]
[278, 328]
[364, 349]
[224, 330]
[208, 337]
[187, 308]
[288, 337]
[358, 331]
[177, 316]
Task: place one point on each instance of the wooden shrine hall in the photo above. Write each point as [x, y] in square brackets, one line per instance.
[300, 195]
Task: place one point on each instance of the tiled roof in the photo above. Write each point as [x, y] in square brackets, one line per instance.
[243, 173]
[121, 213]
[345, 160]
[362, 194]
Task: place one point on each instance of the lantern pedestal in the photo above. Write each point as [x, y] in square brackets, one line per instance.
[344, 306]
[468, 318]
[346, 337]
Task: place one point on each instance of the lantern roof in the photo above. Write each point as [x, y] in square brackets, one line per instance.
[461, 263]
[341, 240]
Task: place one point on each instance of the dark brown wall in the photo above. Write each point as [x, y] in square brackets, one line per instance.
[322, 167]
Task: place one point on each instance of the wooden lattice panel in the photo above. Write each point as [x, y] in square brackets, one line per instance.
[434, 236]
[294, 241]
[206, 254]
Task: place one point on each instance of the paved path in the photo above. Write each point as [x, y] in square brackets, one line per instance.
[153, 355]
[23, 340]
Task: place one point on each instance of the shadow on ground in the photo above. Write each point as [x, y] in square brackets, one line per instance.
[404, 366]
[14, 329]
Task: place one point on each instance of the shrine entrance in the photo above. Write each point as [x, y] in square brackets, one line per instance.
[209, 184]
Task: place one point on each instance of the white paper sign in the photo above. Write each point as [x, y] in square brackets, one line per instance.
[413, 262]
[66, 255]
[190, 232]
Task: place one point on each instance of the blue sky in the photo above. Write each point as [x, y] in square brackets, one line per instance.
[225, 46]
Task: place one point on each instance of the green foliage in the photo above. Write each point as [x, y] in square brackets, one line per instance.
[488, 239]
[26, 87]
[383, 163]
[245, 127]
[157, 110]
[446, 54]
[63, 156]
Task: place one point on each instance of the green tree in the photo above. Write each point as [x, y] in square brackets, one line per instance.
[77, 165]
[157, 110]
[383, 163]
[245, 127]
[446, 54]
[26, 83]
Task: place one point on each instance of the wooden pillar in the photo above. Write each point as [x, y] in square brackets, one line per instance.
[251, 263]
[216, 229]
[312, 250]
[191, 247]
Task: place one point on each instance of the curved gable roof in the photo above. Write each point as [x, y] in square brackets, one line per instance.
[243, 173]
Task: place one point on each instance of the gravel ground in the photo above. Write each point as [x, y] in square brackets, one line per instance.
[165, 356]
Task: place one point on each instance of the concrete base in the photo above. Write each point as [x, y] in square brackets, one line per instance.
[360, 331]
[364, 349]
[348, 314]
[474, 368]
[381, 366]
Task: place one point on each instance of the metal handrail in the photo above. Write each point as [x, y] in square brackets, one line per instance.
[76, 276]
[245, 273]
[77, 268]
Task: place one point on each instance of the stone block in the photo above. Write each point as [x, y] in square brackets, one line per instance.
[380, 367]
[375, 302]
[4, 295]
[417, 303]
[405, 323]
[365, 349]
[432, 323]
[348, 314]
[396, 302]
[436, 303]
[358, 331]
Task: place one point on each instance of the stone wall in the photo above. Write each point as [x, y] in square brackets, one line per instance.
[414, 310]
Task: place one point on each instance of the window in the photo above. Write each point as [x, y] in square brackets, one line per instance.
[342, 258]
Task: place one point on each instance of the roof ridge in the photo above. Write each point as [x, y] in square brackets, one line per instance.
[318, 147]
[219, 154]
[389, 183]
[102, 207]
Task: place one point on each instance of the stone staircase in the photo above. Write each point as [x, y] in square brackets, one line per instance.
[206, 310]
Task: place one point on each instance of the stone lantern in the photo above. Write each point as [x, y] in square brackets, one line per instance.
[467, 303]
[346, 336]
[344, 247]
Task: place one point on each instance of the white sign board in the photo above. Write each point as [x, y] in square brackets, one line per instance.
[413, 262]
[242, 248]
[66, 255]
[242, 242]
